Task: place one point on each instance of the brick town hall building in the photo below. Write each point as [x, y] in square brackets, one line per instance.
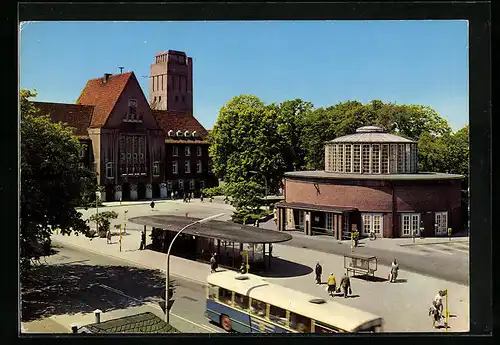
[371, 183]
[141, 149]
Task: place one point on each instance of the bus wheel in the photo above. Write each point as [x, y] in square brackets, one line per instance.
[225, 322]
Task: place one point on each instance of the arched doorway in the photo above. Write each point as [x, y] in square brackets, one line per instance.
[141, 191]
[126, 191]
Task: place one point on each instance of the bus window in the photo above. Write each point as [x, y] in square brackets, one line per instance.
[213, 292]
[300, 323]
[225, 296]
[241, 301]
[322, 328]
[277, 315]
[258, 308]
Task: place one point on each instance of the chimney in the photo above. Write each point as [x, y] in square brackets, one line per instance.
[121, 69]
[106, 77]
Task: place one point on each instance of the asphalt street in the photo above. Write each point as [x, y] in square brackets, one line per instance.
[453, 268]
[79, 281]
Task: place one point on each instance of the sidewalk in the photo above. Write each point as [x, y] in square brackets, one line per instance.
[403, 305]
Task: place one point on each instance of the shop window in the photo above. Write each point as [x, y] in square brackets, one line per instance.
[241, 301]
[258, 308]
[213, 292]
[372, 223]
[278, 315]
[300, 323]
[225, 296]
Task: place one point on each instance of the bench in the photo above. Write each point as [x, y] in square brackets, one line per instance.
[365, 264]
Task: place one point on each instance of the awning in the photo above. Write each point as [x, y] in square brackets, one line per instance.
[220, 230]
[315, 207]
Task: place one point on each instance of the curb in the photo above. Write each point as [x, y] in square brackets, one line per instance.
[128, 261]
[426, 243]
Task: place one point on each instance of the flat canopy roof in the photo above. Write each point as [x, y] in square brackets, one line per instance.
[348, 176]
[314, 207]
[217, 229]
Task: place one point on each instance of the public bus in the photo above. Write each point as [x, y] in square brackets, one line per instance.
[247, 303]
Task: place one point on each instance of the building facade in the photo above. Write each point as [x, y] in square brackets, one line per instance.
[371, 183]
[140, 150]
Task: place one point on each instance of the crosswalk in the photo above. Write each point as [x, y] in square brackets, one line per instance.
[445, 248]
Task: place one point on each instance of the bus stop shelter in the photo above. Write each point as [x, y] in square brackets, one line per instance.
[229, 240]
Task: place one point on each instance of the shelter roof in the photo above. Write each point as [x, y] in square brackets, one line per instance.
[222, 230]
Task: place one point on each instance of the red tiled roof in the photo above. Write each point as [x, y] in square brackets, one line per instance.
[76, 115]
[103, 96]
[178, 121]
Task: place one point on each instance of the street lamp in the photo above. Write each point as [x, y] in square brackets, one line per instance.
[265, 180]
[167, 277]
[97, 194]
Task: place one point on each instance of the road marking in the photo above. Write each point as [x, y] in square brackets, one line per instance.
[207, 328]
[430, 249]
[457, 248]
[445, 248]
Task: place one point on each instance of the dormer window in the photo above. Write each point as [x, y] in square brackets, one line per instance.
[132, 115]
[132, 109]
[170, 133]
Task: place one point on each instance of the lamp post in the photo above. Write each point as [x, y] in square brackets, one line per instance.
[265, 179]
[97, 194]
[167, 277]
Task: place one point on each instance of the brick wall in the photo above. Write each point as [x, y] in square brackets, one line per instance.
[425, 197]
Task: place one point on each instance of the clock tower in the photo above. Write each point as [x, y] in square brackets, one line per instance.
[171, 82]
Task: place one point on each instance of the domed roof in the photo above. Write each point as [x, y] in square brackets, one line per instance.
[371, 134]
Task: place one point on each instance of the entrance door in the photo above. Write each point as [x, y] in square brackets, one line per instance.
[329, 224]
[301, 219]
[410, 224]
[441, 226]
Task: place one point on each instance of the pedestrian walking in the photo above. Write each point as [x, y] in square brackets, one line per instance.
[201, 197]
[176, 195]
[152, 205]
[318, 270]
[143, 240]
[108, 237]
[356, 237]
[256, 223]
[189, 196]
[172, 195]
[213, 263]
[394, 271]
[211, 198]
[332, 284]
[345, 284]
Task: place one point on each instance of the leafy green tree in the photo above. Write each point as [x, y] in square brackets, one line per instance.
[52, 183]
[245, 139]
[103, 222]
[289, 122]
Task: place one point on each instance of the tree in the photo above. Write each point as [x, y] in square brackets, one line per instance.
[103, 220]
[289, 122]
[52, 183]
[245, 139]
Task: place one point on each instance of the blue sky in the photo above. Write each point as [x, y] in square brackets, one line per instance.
[324, 62]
